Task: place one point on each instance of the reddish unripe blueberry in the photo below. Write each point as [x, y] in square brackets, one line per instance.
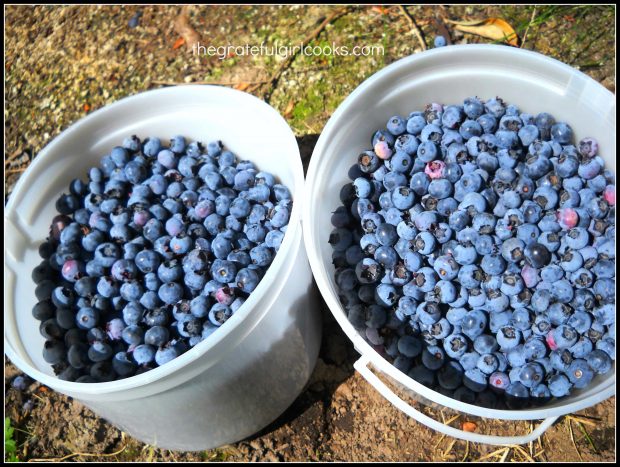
[529, 275]
[610, 194]
[435, 169]
[567, 218]
[224, 295]
[72, 270]
[588, 147]
[382, 150]
[551, 341]
[59, 222]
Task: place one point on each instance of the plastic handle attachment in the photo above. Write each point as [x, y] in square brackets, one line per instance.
[361, 366]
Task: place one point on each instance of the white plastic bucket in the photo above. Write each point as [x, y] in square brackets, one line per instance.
[447, 75]
[247, 373]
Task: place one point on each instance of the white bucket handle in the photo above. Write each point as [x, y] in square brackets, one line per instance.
[361, 366]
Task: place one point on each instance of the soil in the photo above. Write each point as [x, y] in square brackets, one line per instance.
[64, 62]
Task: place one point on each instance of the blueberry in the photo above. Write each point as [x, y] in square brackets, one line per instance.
[599, 361]
[473, 107]
[166, 354]
[562, 133]
[219, 314]
[450, 376]
[508, 337]
[473, 323]
[247, 279]
[156, 336]
[122, 365]
[54, 351]
[433, 357]
[559, 385]
[605, 314]
[87, 318]
[516, 394]
[170, 293]
[439, 41]
[499, 381]
[99, 351]
[579, 373]
[564, 336]
[487, 363]
[531, 375]
[582, 347]
[144, 354]
[475, 380]
[469, 360]
[346, 279]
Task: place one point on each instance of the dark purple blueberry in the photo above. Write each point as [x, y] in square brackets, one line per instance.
[537, 255]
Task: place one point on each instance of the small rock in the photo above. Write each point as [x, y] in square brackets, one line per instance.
[344, 391]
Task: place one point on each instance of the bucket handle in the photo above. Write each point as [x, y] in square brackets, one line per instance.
[361, 366]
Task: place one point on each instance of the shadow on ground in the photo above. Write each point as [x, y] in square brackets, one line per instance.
[336, 353]
[336, 348]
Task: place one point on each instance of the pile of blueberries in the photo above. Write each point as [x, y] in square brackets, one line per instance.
[153, 254]
[475, 249]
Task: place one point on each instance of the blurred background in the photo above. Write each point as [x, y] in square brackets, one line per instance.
[63, 62]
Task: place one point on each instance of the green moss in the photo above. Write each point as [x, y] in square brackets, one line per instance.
[215, 455]
[216, 72]
[310, 105]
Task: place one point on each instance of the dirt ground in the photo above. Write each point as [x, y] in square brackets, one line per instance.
[64, 62]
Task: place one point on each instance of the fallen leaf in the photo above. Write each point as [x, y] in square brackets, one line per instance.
[288, 111]
[379, 9]
[185, 29]
[491, 28]
[178, 43]
[241, 86]
[469, 427]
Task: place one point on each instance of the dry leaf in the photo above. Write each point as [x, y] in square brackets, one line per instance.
[241, 86]
[184, 29]
[289, 109]
[380, 9]
[491, 28]
[178, 43]
[469, 427]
